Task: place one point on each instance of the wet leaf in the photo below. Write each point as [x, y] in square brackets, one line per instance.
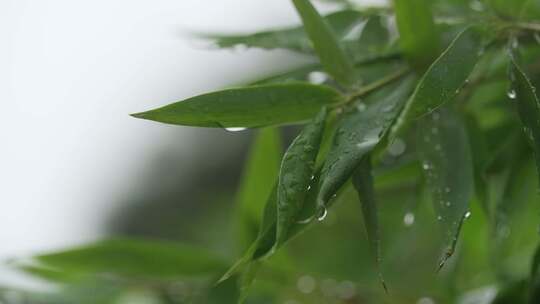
[293, 38]
[248, 107]
[325, 43]
[260, 172]
[135, 258]
[364, 185]
[528, 106]
[419, 38]
[443, 80]
[448, 168]
[296, 174]
[358, 133]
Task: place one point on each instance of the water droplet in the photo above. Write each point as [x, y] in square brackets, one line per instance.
[346, 290]
[306, 284]
[426, 166]
[397, 148]
[467, 215]
[361, 107]
[447, 190]
[322, 214]
[439, 218]
[448, 204]
[408, 219]
[317, 77]
[235, 129]
[511, 94]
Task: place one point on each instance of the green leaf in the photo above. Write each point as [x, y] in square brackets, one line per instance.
[447, 162]
[260, 172]
[294, 38]
[364, 185]
[528, 106]
[418, 35]
[358, 133]
[135, 258]
[516, 9]
[248, 107]
[444, 79]
[325, 43]
[534, 280]
[296, 174]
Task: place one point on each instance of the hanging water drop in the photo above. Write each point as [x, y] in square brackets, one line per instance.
[322, 214]
[317, 77]
[361, 107]
[511, 94]
[425, 166]
[467, 215]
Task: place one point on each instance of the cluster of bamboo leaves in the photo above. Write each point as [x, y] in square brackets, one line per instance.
[454, 79]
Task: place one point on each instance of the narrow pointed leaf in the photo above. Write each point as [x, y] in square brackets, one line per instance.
[443, 80]
[293, 38]
[261, 171]
[358, 134]
[528, 107]
[325, 43]
[296, 173]
[447, 162]
[418, 35]
[248, 107]
[364, 185]
[135, 258]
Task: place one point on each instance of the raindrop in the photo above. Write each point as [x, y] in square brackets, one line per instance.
[511, 94]
[235, 129]
[426, 166]
[346, 290]
[425, 300]
[439, 218]
[467, 215]
[322, 214]
[306, 284]
[361, 107]
[397, 148]
[317, 77]
[408, 219]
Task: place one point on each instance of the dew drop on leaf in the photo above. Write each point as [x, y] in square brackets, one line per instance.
[511, 94]
[467, 215]
[235, 129]
[322, 214]
[317, 77]
[397, 148]
[408, 219]
[306, 284]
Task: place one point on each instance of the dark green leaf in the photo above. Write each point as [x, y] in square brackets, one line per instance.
[135, 258]
[294, 38]
[528, 106]
[325, 43]
[534, 280]
[364, 185]
[418, 36]
[249, 107]
[448, 168]
[359, 132]
[442, 82]
[296, 174]
[260, 172]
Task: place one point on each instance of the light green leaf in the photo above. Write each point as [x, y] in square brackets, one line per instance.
[248, 107]
[364, 185]
[260, 172]
[325, 43]
[443, 80]
[447, 162]
[359, 132]
[419, 38]
[135, 259]
[528, 106]
[296, 174]
[294, 38]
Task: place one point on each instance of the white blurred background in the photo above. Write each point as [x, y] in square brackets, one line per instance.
[71, 72]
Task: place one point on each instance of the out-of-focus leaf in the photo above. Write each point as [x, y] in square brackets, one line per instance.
[294, 38]
[226, 292]
[296, 174]
[518, 9]
[418, 36]
[364, 185]
[444, 144]
[512, 293]
[528, 106]
[249, 107]
[135, 258]
[358, 133]
[443, 80]
[534, 280]
[261, 171]
[325, 43]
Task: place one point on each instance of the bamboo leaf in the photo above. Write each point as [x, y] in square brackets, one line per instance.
[325, 43]
[443, 145]
[358, 134]
[296, 174]
[248, 107]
